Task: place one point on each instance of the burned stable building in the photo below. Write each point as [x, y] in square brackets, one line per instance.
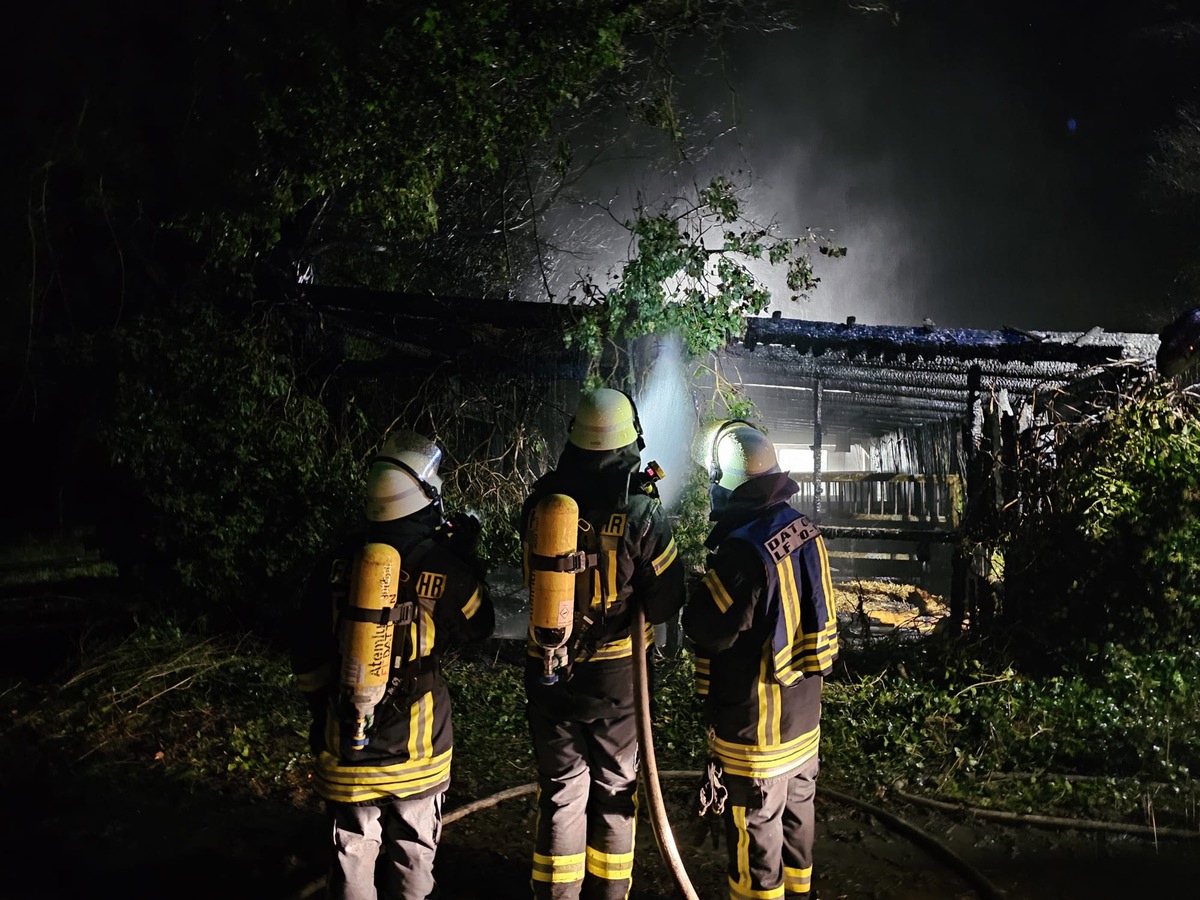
[904, 439]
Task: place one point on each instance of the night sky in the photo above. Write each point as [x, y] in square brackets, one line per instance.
[985, 164]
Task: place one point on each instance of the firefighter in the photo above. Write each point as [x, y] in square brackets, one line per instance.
[765, 632]
[580, 699]
[413, 588]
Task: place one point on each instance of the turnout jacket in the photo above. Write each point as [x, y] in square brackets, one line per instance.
[637, 562]
[765, 630]
[411, 738]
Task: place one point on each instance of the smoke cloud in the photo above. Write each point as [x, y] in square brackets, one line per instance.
[984, 165]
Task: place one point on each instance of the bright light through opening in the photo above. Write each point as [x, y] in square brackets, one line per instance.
[798, 459]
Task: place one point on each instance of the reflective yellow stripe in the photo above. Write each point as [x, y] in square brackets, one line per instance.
[826, 580]
[809, 654]
[703, 670]
[797, 881]
[741, 853]
[558, 869]
[815, 654]
[420, 727]
[360, 784]
[664, 559]
[427, 630]
[472, 605]
[789, 603]
[765, 762]
[719, 594]
[739, 892]
[620, 648]
[770, 724]
[612, 866]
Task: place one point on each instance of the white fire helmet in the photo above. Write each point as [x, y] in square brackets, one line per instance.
[733, 452]
[605, 419]
[403, 477]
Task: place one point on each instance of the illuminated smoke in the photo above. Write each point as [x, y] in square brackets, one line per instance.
[668, 419]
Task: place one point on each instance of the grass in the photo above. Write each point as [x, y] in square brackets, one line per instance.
[936, 719]
[942, 719]
[33, 560]
[195, 707]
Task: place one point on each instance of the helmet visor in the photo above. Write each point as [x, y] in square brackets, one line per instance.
[415, 452]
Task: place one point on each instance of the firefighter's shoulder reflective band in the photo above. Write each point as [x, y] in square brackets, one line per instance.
[401, 614]
[570, 563]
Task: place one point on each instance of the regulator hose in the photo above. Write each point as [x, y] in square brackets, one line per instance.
[658, 808]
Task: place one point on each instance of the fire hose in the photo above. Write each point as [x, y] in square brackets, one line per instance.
[658, 808]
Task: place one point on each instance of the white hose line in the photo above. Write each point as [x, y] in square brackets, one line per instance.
[658, 808]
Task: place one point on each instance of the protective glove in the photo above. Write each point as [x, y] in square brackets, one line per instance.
[463, 530]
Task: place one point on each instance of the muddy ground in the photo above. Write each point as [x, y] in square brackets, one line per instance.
[141, 835]
[146, 837]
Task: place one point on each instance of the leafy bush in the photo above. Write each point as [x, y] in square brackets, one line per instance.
[935, 718]
[924, 717]
[187, 705]
[1106, 553]
[239, 477]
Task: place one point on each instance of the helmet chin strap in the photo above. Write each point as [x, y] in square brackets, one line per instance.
[637, 423]
[714, 466]
[426, 488]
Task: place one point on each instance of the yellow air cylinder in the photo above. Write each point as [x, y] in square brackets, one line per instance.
[366, 647]
[554, 530]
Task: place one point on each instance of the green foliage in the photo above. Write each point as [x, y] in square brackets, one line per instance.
[181, 703]
[934, 718]
[931, 717]
[32, 559]
[241, 476]
[356, 120]
[691, 274]
[690, 522]
[1107, 552]
[492, 750]
[680, 735]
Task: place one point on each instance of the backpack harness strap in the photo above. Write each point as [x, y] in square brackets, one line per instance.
[400, 614]
[566, 563]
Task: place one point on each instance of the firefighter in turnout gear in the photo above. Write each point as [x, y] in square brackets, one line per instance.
[389, 602]
[580, 694]
[763, 622]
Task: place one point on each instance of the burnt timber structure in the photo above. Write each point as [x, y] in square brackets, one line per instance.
[936, 403]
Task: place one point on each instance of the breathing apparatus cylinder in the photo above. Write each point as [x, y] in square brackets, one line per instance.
[554, 534]
[366, 634]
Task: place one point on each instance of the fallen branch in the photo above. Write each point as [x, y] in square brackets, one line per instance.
[977, 879]
[1073, 779]
[998, 815]
[487, 802]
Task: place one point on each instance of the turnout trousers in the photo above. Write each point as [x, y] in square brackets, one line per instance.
[406, 833]
[769, 829]
[587, 807]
